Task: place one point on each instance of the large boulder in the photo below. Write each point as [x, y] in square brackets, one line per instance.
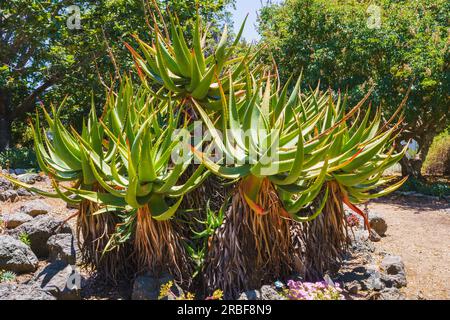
[14, 291]
[148, 287]
[62, 247]
[12, 221]
[378, 224]
[16, 256]
[35, 208]
[59, 280]
[39, 230]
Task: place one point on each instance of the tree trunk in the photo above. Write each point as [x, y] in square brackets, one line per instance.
[5, 133]
[5, 121]
[413, 167]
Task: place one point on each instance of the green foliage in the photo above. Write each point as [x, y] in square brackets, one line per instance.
[25, 238]
[201, 239]
[15, 158]
[438, 159]
[7, 276]
[332, 43]
[43, 60]
[435, 189]
[290, 150]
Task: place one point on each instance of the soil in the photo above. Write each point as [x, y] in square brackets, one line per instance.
[419, 232]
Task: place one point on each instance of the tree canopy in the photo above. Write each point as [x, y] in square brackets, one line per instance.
[45, 55]
[345, 45]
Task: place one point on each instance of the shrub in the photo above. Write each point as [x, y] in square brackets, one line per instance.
[431, 189]
[438, 159]
[15, 158]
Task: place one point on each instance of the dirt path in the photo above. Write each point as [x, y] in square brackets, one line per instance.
[419, 232]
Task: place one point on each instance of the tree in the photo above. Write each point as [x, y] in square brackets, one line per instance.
[341, 44]
[50, 49]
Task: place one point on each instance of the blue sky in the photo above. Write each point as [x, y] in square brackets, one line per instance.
[242, 8]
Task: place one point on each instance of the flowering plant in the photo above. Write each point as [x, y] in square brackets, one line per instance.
[166, 292]
[217, 295]
[353, 220]
[298, 290]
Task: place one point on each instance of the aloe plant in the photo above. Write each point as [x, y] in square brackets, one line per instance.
[294, 157]
[188, 72]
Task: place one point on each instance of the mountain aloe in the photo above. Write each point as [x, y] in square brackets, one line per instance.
[188, 72]
[295, 158]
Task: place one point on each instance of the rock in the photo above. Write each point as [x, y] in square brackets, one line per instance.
[395, 281]
[14, 220]
[250, 295]
[8, 195]
[148, 287]
[390, 294]
[35, 208]
[39, 230]
[379, 225]
[421, 296]
[375, 284]
[62, 247]
[23, 192]
[394, 269]
[374, 236]
[16, 256]
[19, 172]
[13, 291]
[361, 242]
[392, 265]
[5, 184]
[353, 287]
[269, 293]
[59, 280]
[29, 178]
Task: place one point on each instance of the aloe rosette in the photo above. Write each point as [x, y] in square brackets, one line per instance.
[187, 72]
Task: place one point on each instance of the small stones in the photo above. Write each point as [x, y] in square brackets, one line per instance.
[12, 221]
[389, 294]
[35, 208]
[16, 256]
[13, 291]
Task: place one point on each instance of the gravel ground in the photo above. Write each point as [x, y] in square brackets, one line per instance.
[419, 231]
